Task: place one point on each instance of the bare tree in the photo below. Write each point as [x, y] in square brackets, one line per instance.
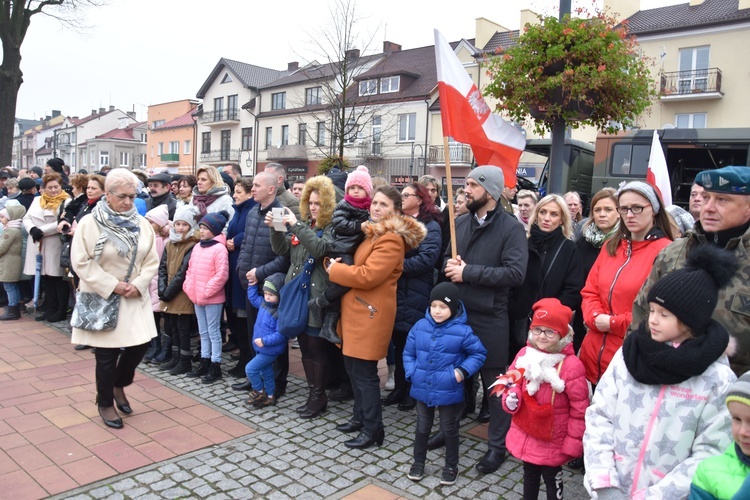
[15, 19]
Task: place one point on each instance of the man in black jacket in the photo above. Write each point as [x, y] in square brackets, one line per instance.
[491, 259]
[159, 188]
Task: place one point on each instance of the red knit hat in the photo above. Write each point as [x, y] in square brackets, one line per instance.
[552, 314]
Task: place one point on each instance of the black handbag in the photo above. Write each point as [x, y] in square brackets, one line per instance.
[293, 299]
[65, 251]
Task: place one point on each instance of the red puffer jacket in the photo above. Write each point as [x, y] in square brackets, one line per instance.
[611, 288]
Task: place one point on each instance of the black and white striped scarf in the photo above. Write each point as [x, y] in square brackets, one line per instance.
[119, 228]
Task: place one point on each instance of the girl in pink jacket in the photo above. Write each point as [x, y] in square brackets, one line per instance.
[208, 271]
[549, 402]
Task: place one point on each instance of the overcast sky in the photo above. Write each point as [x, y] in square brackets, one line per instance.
[135, 53]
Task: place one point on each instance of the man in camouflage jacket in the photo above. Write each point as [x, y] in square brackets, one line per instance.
[724, 221]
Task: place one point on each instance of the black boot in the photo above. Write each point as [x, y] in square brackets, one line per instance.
[214, 374]
[153, 350]
[201, 369]
[309, 367]
[328, 331]
[317, 308]
[11, 312]
[165, 353]
[319, 398]
[184, 365]
[168, 365]
[484, 411]
[395, 396]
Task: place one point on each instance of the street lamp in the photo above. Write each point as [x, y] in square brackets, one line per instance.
[411, 162]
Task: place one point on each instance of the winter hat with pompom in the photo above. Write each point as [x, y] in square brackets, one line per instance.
[215, 221]
[359, 177]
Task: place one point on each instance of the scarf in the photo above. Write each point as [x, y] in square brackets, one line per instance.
[203, 201]
[540, 367]
[595, 236]
[658, 363]
[92, 201]
[119, 228]
[721, 238]
[539, 238]
[14, 224]
[52, 202]
[360, 203]
[176, 237]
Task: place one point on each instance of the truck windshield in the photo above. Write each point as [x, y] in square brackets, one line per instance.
[630, 160]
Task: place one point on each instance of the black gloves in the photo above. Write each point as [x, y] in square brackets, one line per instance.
[36, 234]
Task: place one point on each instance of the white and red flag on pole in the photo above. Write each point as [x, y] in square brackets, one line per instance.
[658, 175]
[468, 119]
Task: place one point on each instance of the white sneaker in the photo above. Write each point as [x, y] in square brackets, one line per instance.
[390, 384]
[295, 344]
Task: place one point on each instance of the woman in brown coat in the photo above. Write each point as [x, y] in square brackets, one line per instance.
[368, 310]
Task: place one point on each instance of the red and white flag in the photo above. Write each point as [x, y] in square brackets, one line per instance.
[658, 175]
[468, 119]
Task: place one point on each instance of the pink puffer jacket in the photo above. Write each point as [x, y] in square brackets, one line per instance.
[153, 287]
[207, 273]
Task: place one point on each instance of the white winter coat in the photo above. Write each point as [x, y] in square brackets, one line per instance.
[46, 221]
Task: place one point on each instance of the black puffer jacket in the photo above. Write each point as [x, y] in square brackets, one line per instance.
[347, 228]
[415, 284]
[256, 252]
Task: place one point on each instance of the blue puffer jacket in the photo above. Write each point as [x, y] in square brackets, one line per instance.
[266, 326]
[433, 351]
[236, 233]
[415, 283]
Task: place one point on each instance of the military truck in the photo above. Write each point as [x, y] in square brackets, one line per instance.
[578, 166]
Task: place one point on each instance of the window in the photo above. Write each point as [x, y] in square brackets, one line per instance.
[278, 100]
[144, 137]
[269, 137]
[174, 147]
[142, 160]
[284, 135]
[232, 107]
[312, 96]
[218, 108]
[320, 137]
[247, 139]
[693, 69]
[376, 132]
[186, 150]
[206, 142]
[161, 148]
[226, 145]
[407, 127]
[690, 120]
[227, 78]
[103, 158]
[124, 159]
[630, 159]
[158, 123]
[351, 130]
[302, 134]
[368, 87]
[92, 154]
[389, 84]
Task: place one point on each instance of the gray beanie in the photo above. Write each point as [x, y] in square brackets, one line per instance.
[643, 189]
[490, 178]
[186, 213]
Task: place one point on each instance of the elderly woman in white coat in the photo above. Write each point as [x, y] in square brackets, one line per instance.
[40, 222]
[101, 253]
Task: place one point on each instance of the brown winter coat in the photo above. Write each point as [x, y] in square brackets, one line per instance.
[174, 254]
[368, 310]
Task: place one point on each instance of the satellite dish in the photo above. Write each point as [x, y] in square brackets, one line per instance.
[668, 126]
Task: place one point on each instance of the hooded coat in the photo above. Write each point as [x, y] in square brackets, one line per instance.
[11, 245]
[46, 220]
[172, 272]
[368, 309]
[207, 272]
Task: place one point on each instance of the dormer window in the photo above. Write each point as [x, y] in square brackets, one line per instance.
[368, 87]
[389, 84]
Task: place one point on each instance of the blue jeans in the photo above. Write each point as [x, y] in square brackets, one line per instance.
[209, 318]
[11, 290]
[259, 371]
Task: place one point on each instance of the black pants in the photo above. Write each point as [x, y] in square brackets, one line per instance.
[337, 375]
[177, 326]
[56, 294]
[499, 419]
[115, 367]
[450, 417]
[314, 348]
[366, 386]
[399, 343]
[238, 327]
[553, 480]
[334, 291]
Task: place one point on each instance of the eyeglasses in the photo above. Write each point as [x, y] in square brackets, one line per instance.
[547, 333]
[122, 196]
[636, 209]
[406, 195]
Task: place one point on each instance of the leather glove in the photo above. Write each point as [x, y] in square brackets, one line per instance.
[511, 401]
[36, 234]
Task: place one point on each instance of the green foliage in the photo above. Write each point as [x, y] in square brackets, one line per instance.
[585, 71]
[331, 161]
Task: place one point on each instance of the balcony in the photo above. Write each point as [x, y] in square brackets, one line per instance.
[220, 155]
[691, 85]
[459, 155]
[170, 158]
[220, 116]
[370, 150]
[287, 152]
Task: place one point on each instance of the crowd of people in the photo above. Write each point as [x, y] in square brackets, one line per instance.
[607, 337]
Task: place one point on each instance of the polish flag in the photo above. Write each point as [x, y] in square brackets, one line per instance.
[467, 117]
[658, 175]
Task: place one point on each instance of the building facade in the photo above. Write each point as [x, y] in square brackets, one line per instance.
[171, 143]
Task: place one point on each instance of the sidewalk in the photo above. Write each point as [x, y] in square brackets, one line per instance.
[185, 439]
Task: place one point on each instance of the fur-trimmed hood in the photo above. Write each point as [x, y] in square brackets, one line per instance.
[327, 193]
[409, 228]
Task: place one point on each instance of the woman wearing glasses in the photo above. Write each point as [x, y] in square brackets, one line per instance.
[619, 272]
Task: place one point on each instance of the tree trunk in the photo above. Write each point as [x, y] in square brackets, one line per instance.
[11, 78]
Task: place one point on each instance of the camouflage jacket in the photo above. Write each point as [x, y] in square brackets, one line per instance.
[733, 307]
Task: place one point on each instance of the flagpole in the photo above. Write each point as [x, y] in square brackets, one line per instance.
[451, 209]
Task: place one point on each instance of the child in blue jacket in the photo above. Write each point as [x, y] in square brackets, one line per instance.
[441, 352]
[267, 341]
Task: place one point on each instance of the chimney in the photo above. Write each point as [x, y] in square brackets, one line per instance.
[131, 114]
[693, 3]
[744, 4]
[75, 118]
[529, 17]
[111, 108]
[352, 55]
[292, 66]
[55, 113]
[93, 111]
[622, 9]
[391, 47]
[101, 110]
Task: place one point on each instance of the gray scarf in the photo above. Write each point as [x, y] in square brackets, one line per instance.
[122, 229]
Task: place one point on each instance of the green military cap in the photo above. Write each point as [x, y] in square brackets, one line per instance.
[729, 180]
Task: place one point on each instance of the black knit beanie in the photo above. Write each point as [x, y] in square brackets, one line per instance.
[691, 293]
[56, 164]
[448, 294]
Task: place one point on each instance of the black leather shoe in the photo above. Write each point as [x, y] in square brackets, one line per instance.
[229, 347]
[436, 441]
[484, 416]
[243, 386]
[394, 397]
[343, 393]
[115, 424]
[123, 406]
[350, 426]
[491, 462]
[82, 347]
[364, 440]
[408, 403]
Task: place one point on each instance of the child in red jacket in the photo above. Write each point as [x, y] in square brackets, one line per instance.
[549, 402]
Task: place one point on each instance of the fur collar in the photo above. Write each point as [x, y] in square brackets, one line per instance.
[327, 194]
[410, 229]
[540, 367]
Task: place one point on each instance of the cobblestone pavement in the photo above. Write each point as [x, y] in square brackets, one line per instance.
[305, 459]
